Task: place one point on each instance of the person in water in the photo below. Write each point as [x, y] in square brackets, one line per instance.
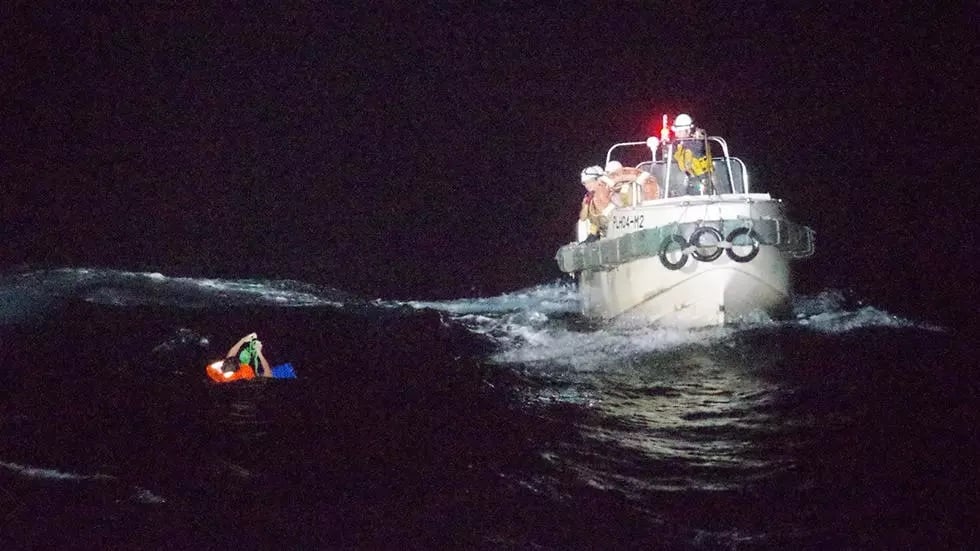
[237, 362]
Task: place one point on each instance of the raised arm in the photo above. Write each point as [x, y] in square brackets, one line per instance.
[266, 370]
[233, 351]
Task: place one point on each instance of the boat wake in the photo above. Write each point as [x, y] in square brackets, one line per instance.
[540, 326]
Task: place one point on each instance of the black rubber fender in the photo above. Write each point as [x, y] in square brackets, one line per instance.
[735, 234]
[679, 240]
[695, 242]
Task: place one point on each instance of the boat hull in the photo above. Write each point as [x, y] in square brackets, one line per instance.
[698, 294]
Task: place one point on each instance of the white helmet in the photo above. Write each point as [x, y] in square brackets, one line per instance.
[591, 173]
[682, 121]
[613, 166]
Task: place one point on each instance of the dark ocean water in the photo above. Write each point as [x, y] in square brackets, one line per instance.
[503, 422]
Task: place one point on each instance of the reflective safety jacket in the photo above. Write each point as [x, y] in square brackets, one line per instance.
[693, 157]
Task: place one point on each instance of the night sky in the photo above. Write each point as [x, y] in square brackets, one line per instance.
[413, 152]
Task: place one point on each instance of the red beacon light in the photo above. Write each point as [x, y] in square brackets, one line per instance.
[664, 130]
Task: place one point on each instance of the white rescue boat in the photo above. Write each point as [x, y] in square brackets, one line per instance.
[688, 258]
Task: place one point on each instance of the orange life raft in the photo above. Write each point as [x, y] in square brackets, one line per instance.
[244, 371]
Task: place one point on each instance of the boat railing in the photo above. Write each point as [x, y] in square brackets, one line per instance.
[729, 174]
[635, 156]
[725, 181]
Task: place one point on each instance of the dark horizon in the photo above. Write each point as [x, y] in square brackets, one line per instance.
[427, 152]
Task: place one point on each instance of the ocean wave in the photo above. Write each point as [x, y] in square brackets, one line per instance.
[600, 349]
[142, 495]
[550, 298]
[541, 325]
[865, 317]
[29, 294]
[51, 474]
[139, 494]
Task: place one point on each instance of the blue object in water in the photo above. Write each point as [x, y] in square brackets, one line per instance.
[284, 371]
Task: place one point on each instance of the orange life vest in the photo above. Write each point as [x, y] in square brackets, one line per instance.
[244, 371]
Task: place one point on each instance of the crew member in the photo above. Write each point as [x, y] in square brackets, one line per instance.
[620, 194]
[693, 155]
[593, 203]
[620, 179]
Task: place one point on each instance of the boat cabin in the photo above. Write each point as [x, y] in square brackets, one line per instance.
[727, 175]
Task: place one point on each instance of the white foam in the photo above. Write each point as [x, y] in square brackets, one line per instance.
[51, 474]
[556, 297]
[829, 300]
[862, 318]
[143, 495]
[124, 288]
[602, 348]
[532, 326]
